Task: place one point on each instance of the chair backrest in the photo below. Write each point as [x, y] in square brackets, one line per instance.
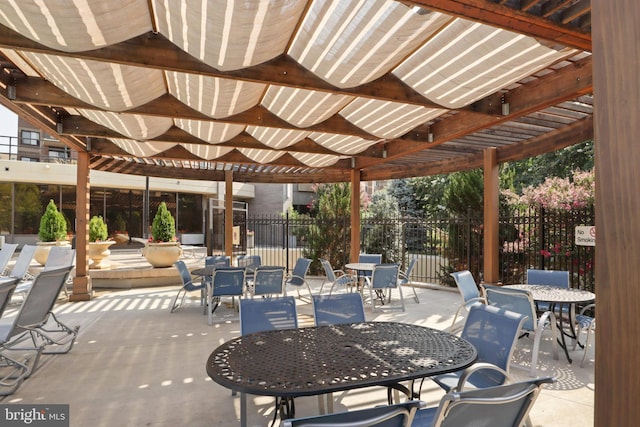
[371, 259]
[23, 261]
[250, 262]
[405, 277]
[466, 285]
[40, 299]
[268, 280]
[299, 273]
[6, 290]
[397, 415]
[228, 281]
[6, 253]
[493, 332]
[217, 261]
[504, 405]
[328, 270]
[385, 276]
[338, 308]
[516, 300]
[557, 278]
[267, 314]
[60, 256]
[185, 275]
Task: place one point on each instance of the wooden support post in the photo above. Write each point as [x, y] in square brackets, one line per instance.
[616, 66]
[355, 215]
[491, 216]
[228, 213]
[82, 290]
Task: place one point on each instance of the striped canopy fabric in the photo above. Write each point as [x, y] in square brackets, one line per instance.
[314, 88]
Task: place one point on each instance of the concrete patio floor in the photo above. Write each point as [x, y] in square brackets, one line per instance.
[135, 364]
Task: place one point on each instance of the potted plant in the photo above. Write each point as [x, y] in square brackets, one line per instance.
[98, 242]
[162, 249]
[52, 232]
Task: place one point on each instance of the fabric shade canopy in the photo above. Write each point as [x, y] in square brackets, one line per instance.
[299, 91]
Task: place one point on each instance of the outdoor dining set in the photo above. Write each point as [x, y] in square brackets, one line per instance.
[343, 351]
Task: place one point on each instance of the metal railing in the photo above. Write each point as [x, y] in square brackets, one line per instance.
[534, 239]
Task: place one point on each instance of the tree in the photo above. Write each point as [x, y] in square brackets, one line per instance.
[381, 228]
[328, 236]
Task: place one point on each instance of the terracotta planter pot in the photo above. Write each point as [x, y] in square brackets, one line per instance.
[98, 252]
[162, 254]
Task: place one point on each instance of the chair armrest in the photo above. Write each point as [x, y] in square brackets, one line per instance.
[587, 307]
[478, 367]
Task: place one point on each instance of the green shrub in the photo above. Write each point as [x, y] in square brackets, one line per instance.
[97, 229]
[163, 228]
[53, 226]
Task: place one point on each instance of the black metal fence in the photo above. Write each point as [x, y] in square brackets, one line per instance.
[535, 239]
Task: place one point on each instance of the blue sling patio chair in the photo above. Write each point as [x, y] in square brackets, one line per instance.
[298, 276]
[6, 253]
[397, 415]
[36, 323]
[188, 285]
[405, 278]
[503, 405]
[369, 259]
[266, 314]
[384, 279]
[494, 333]
[557, 278]
[250, 263]
[268, 280]
[337, 278]
[336, 309]
[468, 290]
[225, 282]
[214, 261]
[521, 301]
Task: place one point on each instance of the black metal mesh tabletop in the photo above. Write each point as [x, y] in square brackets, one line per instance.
[309, 361]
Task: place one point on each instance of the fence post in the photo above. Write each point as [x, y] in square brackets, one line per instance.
[286, 239]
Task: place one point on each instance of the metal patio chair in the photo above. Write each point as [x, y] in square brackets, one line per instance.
[6, 253]
[520, 301]
[268, 280]
[59, 257]
[225, 282]
[585, 322]
[384, 279]
[188, 285]
[398, 415]
[557, 278]
[266, 314]
[35, 322]
[468, 290]
[20, 268]
[298, 276]
[494, 333]
[405, 278]
[337, 278]
[503, 405]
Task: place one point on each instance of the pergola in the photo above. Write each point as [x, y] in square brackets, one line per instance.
[288, 91]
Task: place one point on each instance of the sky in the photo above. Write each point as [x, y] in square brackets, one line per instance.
[8, 122]
[8, 127]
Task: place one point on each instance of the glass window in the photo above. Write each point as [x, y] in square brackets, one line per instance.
[28, 209]
[5, 207]
[29, 137]
[190, 213]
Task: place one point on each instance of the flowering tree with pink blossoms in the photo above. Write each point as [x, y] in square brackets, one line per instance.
[560, 204]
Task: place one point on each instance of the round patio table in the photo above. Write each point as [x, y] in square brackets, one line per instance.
[289, 363]
[561, 297]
